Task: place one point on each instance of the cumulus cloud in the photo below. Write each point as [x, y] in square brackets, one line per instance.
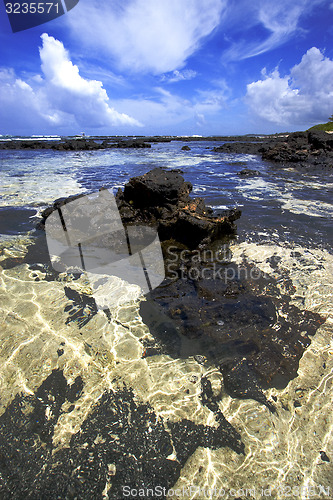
[303, 97]
[255, 28]
[61, 97]
[146, 35]
[85, 99]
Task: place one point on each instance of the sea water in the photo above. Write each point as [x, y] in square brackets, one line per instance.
[286, 214]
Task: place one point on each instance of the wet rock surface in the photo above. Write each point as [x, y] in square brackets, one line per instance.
[221, 314]
[121, 443]
[304, 149]
[79, 144]
[161, 198]
[207, 305]
[236, 318]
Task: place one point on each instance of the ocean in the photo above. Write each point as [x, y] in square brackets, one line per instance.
[286, 220]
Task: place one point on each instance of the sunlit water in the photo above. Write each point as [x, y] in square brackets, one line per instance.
[285, 213]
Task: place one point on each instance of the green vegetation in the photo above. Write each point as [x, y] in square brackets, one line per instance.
[328, 127]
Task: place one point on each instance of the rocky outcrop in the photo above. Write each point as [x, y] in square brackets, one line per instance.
[161, 198]
[228, 315]
[80, 144]
[77, 145]
[305, 149]
[248, 148]
[132, 143]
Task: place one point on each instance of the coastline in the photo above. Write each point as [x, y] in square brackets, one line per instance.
[90, 363]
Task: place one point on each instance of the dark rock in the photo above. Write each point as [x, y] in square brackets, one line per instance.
[226, 314]
[134, 143]
[120, 431]
[284, 153]
[157, 188]
[324, 457]
[320, 140]
[186, 148]
[28, 144]
[161, 198]
[247, 172]
[306, 149]
[312, 149]
[252, 148]
[77, 145]
[83, 310]
[241, 381]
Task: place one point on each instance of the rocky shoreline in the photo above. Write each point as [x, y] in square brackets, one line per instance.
[233, 316]
[304, 149]
[223, 316]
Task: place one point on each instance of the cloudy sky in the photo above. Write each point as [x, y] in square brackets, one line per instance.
[141, 67]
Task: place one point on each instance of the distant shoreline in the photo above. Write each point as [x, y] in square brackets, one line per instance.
[310, 149]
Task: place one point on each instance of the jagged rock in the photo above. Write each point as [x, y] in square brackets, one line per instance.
[320, 140]
[161, 198]
[305, 149]
[285, 153]
[157, 187]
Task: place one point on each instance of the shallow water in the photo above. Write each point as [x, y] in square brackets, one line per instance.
[286, 215]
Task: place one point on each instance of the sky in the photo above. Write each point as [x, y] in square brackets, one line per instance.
[169, 67]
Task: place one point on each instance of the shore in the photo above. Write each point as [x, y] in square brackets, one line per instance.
[205, 381]
[312, 149]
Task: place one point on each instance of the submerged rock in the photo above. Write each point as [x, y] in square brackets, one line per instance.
[236, 318]
[121, 442]
[241, 382]
[208, 306]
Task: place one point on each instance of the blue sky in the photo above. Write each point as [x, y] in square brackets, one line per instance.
[142, 67]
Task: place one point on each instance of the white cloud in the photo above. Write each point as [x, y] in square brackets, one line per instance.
[303, 97]
[165, 109]
[178, 76]
[60, 98]
[146, 35]
[276, 23]
[68, 91]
